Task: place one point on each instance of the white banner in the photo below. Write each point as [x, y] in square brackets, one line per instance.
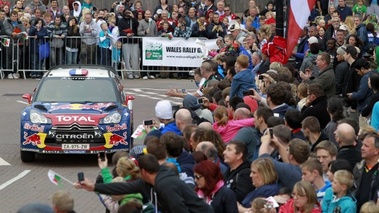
[175, 52]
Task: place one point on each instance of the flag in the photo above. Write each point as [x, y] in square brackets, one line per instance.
[299, 12]
[54, 177]
[6, 42]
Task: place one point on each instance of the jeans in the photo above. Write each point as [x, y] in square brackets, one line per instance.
[36, 64]
[71, 57]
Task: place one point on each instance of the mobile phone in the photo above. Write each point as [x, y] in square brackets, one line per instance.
[271, 132]
[248, 92]
[261, 77]
[200, 101]
[148, 122]
[102, 156]
[80, 176]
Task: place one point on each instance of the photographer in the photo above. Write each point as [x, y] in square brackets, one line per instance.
[216, 28]
[128, 27]
[182, 30]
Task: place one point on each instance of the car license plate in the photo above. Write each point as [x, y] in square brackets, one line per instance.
[75, 146]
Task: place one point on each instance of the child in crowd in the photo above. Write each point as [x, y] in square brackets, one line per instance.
[337, 198]
[104, 45]
[312, 173]
[230, 47]
[359, 8]
[228, 128]
[165, 29]
[270, 18]
[369, 207]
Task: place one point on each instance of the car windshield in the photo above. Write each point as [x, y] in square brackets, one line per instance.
[68, 90]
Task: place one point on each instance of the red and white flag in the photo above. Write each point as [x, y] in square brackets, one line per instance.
[299, 11]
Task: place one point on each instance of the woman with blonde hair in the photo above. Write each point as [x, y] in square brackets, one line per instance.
[264, 178]
[349, 22]
[264, 34]
[304, 199]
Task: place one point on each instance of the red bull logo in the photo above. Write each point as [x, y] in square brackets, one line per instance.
[114, 139]
[36, 139]
[34, 127]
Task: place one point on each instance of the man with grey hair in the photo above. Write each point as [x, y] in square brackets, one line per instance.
[210, 151]
[361, 29]
[257, 61]
[89, 30]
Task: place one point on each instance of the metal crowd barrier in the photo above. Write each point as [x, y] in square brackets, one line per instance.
[22, 56]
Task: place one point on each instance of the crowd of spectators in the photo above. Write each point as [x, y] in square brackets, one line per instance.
[303, 134]
[80, 32]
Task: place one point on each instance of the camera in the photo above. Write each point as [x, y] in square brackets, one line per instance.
[261, 77]
[80, 176]
[148, 122]
[200, 101]
[248, 92]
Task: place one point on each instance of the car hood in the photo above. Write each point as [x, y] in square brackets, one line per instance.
[57, 108]
[82, 113]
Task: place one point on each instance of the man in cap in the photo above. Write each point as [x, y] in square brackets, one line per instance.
[163, 111]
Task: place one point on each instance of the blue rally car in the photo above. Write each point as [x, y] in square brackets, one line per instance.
[76, 110]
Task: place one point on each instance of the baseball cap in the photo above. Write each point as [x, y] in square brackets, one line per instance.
[163, 109]
[349, 49]
[234, 26]
[312, 40]
[341, 51]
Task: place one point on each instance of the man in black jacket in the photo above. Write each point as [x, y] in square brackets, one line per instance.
[167, 192]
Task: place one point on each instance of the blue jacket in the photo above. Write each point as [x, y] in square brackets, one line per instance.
[263, 191]
[242, 81]
[281, 110]
[171, 127]
[345, 204]
[362, 33]
[362, 96]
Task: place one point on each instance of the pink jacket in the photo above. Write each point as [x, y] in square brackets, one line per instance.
[228, 131]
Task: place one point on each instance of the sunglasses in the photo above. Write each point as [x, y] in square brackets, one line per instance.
[198, 177]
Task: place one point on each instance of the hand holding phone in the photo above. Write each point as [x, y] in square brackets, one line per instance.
[200, 101]
[148, 122]
[102, 156]
[80, 176]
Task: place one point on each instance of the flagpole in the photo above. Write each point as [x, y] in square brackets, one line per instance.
[279, 18]
[63, 178]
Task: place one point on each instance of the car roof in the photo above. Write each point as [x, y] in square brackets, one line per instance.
[97, 71]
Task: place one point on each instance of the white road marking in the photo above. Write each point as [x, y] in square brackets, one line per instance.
[23, 102]
[9, 182]
[3, 162]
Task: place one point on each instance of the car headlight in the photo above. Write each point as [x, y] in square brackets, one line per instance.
[112, 118]
[37, 117]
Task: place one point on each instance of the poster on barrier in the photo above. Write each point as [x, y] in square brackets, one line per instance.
[175, 52]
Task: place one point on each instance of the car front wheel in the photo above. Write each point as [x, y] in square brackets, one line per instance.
[27, 156]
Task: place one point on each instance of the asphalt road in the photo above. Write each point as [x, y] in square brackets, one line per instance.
[22, 183]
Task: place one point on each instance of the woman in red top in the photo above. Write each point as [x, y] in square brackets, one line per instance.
[304, 200]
